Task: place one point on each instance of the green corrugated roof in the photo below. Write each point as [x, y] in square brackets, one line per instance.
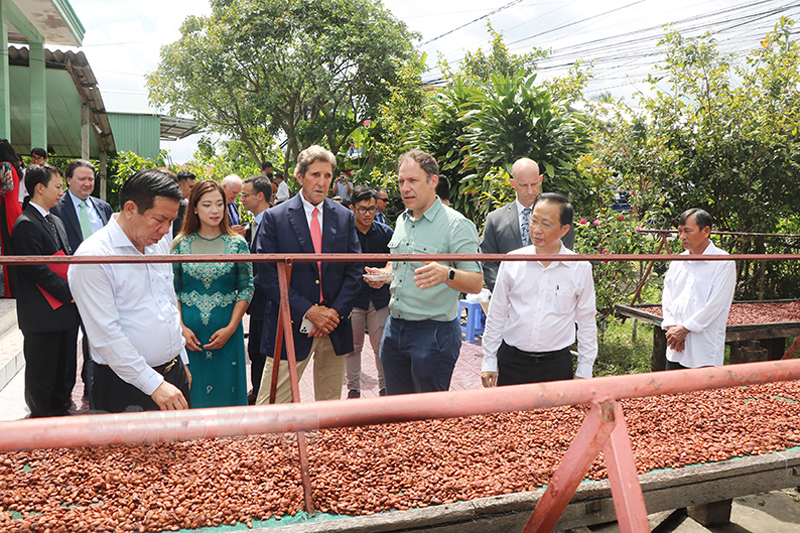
[126, 103]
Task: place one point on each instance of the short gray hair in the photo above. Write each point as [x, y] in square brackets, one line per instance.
[230, 179]
[312, 154]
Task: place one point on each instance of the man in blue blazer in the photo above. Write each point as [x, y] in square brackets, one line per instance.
[82, 215]
[321, 295]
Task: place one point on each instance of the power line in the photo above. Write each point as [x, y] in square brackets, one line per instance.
[471, 22]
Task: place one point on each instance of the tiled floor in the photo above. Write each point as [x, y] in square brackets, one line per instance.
[467, 375]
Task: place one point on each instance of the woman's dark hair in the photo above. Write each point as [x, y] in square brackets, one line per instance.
[143, 187]
[191, 222]
[8, 154]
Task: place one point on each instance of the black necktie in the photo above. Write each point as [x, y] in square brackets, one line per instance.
[52, 224]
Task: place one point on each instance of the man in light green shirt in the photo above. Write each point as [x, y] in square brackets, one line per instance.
[422, 337]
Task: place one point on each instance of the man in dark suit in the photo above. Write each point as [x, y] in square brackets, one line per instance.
[321, 295]
[232, 185]
[82, 215]
[256, 196]
[507, 228]
[50, 327]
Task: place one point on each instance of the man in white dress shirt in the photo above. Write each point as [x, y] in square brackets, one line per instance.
[535, 306]
[130, 311]
[283, 193]
[697, 297]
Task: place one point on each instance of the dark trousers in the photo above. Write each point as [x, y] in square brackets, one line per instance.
[419, 355]
[516, 367]
[257, 358]
[86, 370]
[47, 362]
[675, 366]
[111, 394]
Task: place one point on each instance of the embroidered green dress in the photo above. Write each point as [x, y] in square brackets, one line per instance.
[207, 293]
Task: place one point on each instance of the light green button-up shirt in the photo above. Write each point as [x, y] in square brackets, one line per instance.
[440, 230]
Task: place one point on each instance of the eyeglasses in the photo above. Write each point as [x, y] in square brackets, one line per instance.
[545, 227]
[365, 210]
[384, 199]
[246, 194]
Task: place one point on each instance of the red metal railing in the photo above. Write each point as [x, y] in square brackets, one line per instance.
[603, 429]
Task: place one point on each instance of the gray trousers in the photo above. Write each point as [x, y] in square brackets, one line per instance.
[375, 320]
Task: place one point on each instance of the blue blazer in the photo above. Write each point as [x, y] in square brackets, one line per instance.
[284, 230]
[65, 210]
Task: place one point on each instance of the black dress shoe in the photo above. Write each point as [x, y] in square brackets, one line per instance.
[354, 393]
[251, 398]
[382, 392]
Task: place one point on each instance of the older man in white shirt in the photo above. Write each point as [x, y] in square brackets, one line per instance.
[535, 306]
[130, 311]
[697, 298]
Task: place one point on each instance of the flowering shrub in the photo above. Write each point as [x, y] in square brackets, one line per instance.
[615, 281]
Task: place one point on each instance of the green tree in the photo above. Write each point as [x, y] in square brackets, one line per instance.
[721, 134]
[310, 71]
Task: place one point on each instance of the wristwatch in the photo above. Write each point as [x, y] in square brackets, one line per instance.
[451, 274]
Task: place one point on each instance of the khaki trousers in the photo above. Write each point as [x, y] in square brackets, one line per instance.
[328, 375]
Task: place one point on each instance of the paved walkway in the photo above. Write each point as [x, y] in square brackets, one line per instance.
[467, 375]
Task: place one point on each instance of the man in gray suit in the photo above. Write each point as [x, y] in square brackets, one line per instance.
[507, 228]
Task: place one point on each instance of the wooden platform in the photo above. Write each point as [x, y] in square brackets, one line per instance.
[592, 504]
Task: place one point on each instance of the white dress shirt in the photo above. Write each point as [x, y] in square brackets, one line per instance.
[130, 311]
[308, 208]
[697, 295]
[95, 219]
[283, 192]
[535, 309]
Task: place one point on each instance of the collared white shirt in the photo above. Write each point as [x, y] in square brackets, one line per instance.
[535, 309]
[94, 217]
[42, 210]
[308, 207]
[698, 295]
[283, 192]
[130, 311]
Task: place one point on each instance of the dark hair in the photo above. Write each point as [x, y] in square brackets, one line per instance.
[265, 165]
[279, 175]
[565, 216]
[36, 174]
[362, 193]
[77, 163]
[185, 175]
[191, 222]
[341, 201]
[425, 160]
[702, 217]
[443, 188]
[41, 152]
[8, 154]
[262, 185]
[143, 187]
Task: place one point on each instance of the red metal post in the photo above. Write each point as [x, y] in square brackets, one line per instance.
[622, 474]
[591, 438]
[279, 335]
[284, 276]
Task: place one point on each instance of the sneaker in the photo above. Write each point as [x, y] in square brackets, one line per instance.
[354, 393]
[382, 392]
